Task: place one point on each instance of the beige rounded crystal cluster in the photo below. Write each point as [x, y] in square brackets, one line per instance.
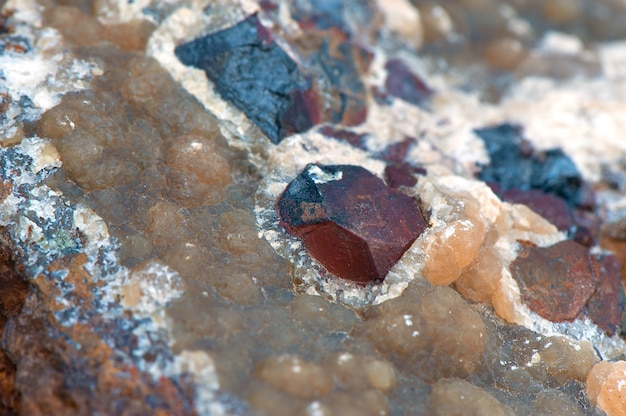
[473, 237]
[606, 387]
[431, 332]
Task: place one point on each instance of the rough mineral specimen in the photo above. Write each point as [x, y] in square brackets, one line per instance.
[557, 281]
[565, 280]
[281, 95]
[516, 165]
[138, 202]
[251, 70]
[349, 220]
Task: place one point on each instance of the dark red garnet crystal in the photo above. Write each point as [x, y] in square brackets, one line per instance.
[349, 220]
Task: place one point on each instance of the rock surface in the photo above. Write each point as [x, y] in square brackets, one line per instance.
[144, 268]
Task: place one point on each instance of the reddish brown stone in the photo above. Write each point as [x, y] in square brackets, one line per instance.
[5, 101]
[557, 281]
[551, 207]
[349, 220]
[399, 175]
[619, 248]
[398, 152]
[604, 307]
[13, 291]
[587, 227]
[344, 135]
[403, 83]
[5, 189]
[56, 377]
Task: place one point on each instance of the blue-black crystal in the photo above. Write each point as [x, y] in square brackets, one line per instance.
[250, 70]
[514, 164]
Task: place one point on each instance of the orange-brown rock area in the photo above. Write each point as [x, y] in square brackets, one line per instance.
[13, 292]
[137, 278]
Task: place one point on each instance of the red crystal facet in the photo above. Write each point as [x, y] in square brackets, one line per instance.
[556, 281]
[349, 220]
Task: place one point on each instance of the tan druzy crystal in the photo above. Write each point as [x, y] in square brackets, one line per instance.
[455, 397]
[433, 332]
[295, 376]
[452, 249]
[606, 387]
[195, 172]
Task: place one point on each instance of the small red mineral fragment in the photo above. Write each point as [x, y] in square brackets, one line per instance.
[549, 206]
[403, 83]
[345, 135]
[557, 281]
[604, 307]
[399, 175]
[349, 220]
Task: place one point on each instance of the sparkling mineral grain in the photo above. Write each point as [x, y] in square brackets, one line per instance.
[349, 220]
[556, 281]
[281, 91]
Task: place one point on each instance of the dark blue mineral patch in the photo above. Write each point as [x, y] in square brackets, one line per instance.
[516, 165]
[548, 181]
[256, 75]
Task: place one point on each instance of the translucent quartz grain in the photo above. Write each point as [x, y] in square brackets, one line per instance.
[381, 375]
[357, 373]
[561, 11]
[555, 360]
[505, 53]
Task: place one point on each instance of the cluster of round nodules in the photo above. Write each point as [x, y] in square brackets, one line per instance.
[344, 384]
[606, 387]
[473, 237]
[506, 30]
[431, 332]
